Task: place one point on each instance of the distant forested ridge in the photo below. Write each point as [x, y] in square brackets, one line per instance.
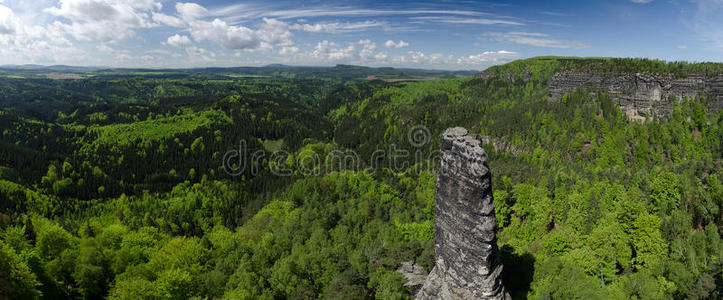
[112, 185]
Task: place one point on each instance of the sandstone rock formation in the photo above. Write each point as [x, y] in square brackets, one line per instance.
[467, 262]
[640, 95]
[414, 275]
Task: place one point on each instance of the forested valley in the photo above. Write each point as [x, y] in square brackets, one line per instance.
[115, 185]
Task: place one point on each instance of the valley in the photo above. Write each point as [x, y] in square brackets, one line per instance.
[114, 183]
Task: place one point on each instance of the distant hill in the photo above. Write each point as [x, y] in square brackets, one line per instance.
[54, 68]
[340, 72]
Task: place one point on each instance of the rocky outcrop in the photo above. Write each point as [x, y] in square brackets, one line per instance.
[414, 275]
[714, 88]
[640, 95]
[467, 262]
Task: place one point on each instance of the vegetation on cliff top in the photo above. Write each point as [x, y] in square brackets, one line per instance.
[540, 68]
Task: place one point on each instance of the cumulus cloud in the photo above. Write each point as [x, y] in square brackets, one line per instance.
[190, 12]
[289, 50]
[105, 49]
[367, 51]
[269, 33]
[330, 51]
[228, 36]
[392, 44]
[336, 27]
[106, 21]
[535, 39]
[438, 60]
[180, 41]
[381, 56]
[8, 22]
[488, 58]
[363, 51]
[168, 20]
[111, 25]
[275, 32]
[25, 43]
[201, 53]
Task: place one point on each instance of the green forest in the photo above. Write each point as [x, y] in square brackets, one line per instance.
[115, 185]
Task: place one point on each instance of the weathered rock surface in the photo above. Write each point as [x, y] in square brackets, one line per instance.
[414, 275]
[640, 95]
[467, 262]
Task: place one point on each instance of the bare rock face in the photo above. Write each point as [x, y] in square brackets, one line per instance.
[467, 263]
[414, 275]
[640, 95]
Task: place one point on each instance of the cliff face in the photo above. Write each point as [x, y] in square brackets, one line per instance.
[467, 262]
[641, 94]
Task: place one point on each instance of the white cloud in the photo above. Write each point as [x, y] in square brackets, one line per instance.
[392, 44]
[364, 52]
[230, 37]
[84, 10]
[682, 47]
[8, 22]
[24, 43]
[289, 50]
[318, 27]
[330, 51]
[334, 11]
[180, 41]
[201, 53]
[488, 58]
[168, 20]
[367, 51]
[381, 56]
[336, 27]
[159, 51]
[104, 48]
[420, 59]
[213, 37]
[275, 32]
[190, 12]
[641, 1]
[270, 33]
[535, 39]
[458, 20]
[103, 20]
[185, 13]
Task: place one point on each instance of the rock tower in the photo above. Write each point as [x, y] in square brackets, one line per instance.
[467, 262]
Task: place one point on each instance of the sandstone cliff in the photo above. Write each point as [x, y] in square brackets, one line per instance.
[467, 262]
[640, 95]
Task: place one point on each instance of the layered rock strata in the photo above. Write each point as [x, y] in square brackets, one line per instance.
[467, 262]
[641, 95]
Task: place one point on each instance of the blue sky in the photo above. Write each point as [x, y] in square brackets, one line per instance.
[433, 34]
